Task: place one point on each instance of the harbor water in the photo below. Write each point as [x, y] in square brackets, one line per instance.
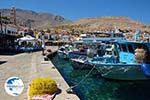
[94, 87]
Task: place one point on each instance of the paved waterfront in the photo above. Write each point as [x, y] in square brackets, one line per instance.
[29, 66]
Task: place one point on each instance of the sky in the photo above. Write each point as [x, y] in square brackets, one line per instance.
[75, 9]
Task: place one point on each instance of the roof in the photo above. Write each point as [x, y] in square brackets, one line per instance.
[27, 38]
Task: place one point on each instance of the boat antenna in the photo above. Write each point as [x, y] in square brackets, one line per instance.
[70, 90]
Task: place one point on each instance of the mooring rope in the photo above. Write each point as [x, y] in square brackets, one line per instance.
[69, 90]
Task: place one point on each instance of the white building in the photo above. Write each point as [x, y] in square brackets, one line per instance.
[9, 29]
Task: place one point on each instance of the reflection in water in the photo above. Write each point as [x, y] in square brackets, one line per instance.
[97, 88]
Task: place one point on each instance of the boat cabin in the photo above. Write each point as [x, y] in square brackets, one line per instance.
[130, 52]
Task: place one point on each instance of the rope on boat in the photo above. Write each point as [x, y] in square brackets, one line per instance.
[69, 90]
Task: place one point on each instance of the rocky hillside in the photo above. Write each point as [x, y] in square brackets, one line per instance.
[37, 20]
[47, 20]
[108, 23]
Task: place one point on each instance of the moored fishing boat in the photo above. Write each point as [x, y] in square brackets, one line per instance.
[125, 61]
[94, 54]
[80, 63]
[68, 51]
[80, 59]
[63, 51]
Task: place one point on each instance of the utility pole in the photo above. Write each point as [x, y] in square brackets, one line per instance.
[1, 31]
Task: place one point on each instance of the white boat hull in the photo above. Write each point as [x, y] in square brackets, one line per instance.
[79, 64]
[121, 72]
[63, 55]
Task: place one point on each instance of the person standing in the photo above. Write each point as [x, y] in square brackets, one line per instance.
[43, 42]
[43, 48]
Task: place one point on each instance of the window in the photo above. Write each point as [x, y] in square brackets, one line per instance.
[8, 31]
[118, 47]
[130, 48]
[124, 48]
[109, 52]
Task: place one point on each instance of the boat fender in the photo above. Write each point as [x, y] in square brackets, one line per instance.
[146, 69]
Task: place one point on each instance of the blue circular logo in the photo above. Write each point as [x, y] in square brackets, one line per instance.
[14, 86]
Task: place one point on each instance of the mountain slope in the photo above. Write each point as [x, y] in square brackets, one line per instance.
[47, 20]
[38, 20]
[109, 23]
